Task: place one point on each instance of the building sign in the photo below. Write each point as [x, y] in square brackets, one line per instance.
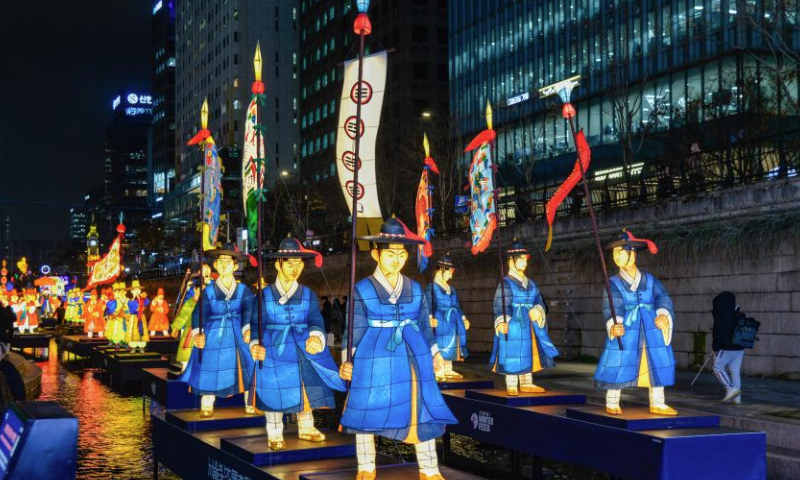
[134, 111]
[131, 100]
[523, 97]
[158, 6]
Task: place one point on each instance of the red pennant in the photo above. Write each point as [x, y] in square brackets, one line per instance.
[201, 137]
[430, 163]
[584, 157]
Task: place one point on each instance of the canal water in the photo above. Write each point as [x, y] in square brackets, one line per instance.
[114, 429]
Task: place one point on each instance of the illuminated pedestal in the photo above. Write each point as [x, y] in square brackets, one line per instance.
[640, 418]
[163, 345]
[468, 382]
[254, 449]
[500, 397]
[80, 345]
[173, 394]
[124, 367]
[391, 472]
[223, 418]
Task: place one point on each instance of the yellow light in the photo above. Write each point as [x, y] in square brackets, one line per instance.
[285, 173]
[426, 114]
[426, 145]
[257, 62]
[204, 115]
[488, 115]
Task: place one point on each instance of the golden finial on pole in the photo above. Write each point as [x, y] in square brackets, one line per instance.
[257, 61]
[204, 115]
[426, 145]
[488, 115]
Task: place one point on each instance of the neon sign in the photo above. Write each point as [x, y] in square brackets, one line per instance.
[116, 102]
[134, 99]
[158, 6]
[523, 97]
[133, 111]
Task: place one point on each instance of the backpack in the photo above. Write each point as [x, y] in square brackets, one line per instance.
[745, 332]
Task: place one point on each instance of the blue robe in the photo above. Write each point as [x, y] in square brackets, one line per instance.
[133, 309]
[288, 368]
[393, 359]
[227, 363]
[620, 369]
[451, 334]
[519, 354]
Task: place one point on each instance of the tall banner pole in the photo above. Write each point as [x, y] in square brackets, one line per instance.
[362, 28]
[564, 91]
[258, 89]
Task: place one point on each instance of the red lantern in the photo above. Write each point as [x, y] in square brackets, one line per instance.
[362, 25]
[568, 111]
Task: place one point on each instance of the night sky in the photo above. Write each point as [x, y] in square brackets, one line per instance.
[62, 64]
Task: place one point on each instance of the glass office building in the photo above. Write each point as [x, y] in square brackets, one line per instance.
[647, 67]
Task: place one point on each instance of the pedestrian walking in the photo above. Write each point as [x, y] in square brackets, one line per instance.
[727, 355]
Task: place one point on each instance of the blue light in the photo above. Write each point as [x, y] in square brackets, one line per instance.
[158, 6]
[362, 5]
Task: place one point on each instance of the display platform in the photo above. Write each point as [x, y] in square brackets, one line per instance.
[550, 397]
[31, 340]
[223, 418]
[640, 418]
[391, 472]
[468, 382]
[163, 345]
[662, 454]
[173, 394]
[255, 449]
[49, 322]
[79, 345]
[124, 367]
[198, 455]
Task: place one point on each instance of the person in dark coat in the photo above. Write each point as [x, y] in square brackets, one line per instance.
[727, 356]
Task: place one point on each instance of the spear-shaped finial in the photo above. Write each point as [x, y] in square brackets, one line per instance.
[426, 145]
[488, 115]
[257, 61]
[204, 115]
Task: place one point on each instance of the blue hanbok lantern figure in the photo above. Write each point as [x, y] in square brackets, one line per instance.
[226, 365]
[643, 323]
[295, 372]
[522, 345]
[395, 357]
[447, 319]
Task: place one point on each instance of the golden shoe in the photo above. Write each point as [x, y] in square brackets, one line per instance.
[531, 389]
[454, 375]
[312, 437]
[365, 475]
[250, 410]
[512, 392]
[613, 410]
[206, 413]
[276, 445]
[438, 476]
[665, 410]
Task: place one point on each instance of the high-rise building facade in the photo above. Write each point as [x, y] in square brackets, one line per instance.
[6, 242]
[161, 170]
[658, 78]
[215, 45]
[416, 96]
[78, 224]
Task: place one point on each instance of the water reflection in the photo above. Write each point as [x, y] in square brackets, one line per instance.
[114, 434]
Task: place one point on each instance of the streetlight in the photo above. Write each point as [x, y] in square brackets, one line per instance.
[426, 114]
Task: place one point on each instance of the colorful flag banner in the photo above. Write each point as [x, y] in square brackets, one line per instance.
[253, 144]
[212, 198]
[483, 218]
[107, 268]
[424, 211]
[584, 158]
[370, 96]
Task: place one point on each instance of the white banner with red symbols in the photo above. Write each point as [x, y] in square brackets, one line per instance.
[371, 98]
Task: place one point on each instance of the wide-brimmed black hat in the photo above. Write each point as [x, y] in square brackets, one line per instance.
[629, 242]
[292, 248]
[445, 261]
[517, 248]
[394, 231]
[228, 249]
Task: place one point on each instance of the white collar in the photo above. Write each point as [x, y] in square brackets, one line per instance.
[228, 293]
[634, 282]
[285, 295]
[444, 286]
[523, 280]
[394, 293]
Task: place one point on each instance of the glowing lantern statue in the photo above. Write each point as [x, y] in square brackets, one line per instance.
[643, 328]
[182, 324]
[74, 310]
[227, 365]
[448, 319]
[93, 315]
[295, 371]
[137, 334]
[522, 345]
[394, 359]
[159, 311]
[116, 315]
